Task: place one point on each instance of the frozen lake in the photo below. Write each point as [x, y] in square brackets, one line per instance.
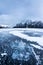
[22, 43]
[35, 35]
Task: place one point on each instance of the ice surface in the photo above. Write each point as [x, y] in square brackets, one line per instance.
[36, 46]
[22, 46]
[28, 38]
[22, 50]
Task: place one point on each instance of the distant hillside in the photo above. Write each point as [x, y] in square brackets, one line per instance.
[29, 24]
[4, 26]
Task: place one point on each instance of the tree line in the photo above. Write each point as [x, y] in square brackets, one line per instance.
[35, 24]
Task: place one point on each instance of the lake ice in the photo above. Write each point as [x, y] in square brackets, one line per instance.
[21, 44]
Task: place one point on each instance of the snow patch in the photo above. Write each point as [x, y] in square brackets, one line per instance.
[28, 38]
[3, 54]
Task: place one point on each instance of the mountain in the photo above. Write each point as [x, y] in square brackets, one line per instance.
[4, 26]
[29, 24]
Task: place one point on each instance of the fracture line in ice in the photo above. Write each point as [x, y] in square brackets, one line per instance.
[36, 46]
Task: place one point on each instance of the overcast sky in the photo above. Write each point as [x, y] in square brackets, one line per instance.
[13, 11]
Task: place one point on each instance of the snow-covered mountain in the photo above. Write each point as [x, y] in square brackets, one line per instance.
[4, 26]
[29, 24]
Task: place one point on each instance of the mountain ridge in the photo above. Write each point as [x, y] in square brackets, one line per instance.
[29, 24]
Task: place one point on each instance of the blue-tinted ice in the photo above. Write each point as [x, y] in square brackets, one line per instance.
[18, 51]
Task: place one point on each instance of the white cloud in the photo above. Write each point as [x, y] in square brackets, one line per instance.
[13, 11]
[5, 19]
